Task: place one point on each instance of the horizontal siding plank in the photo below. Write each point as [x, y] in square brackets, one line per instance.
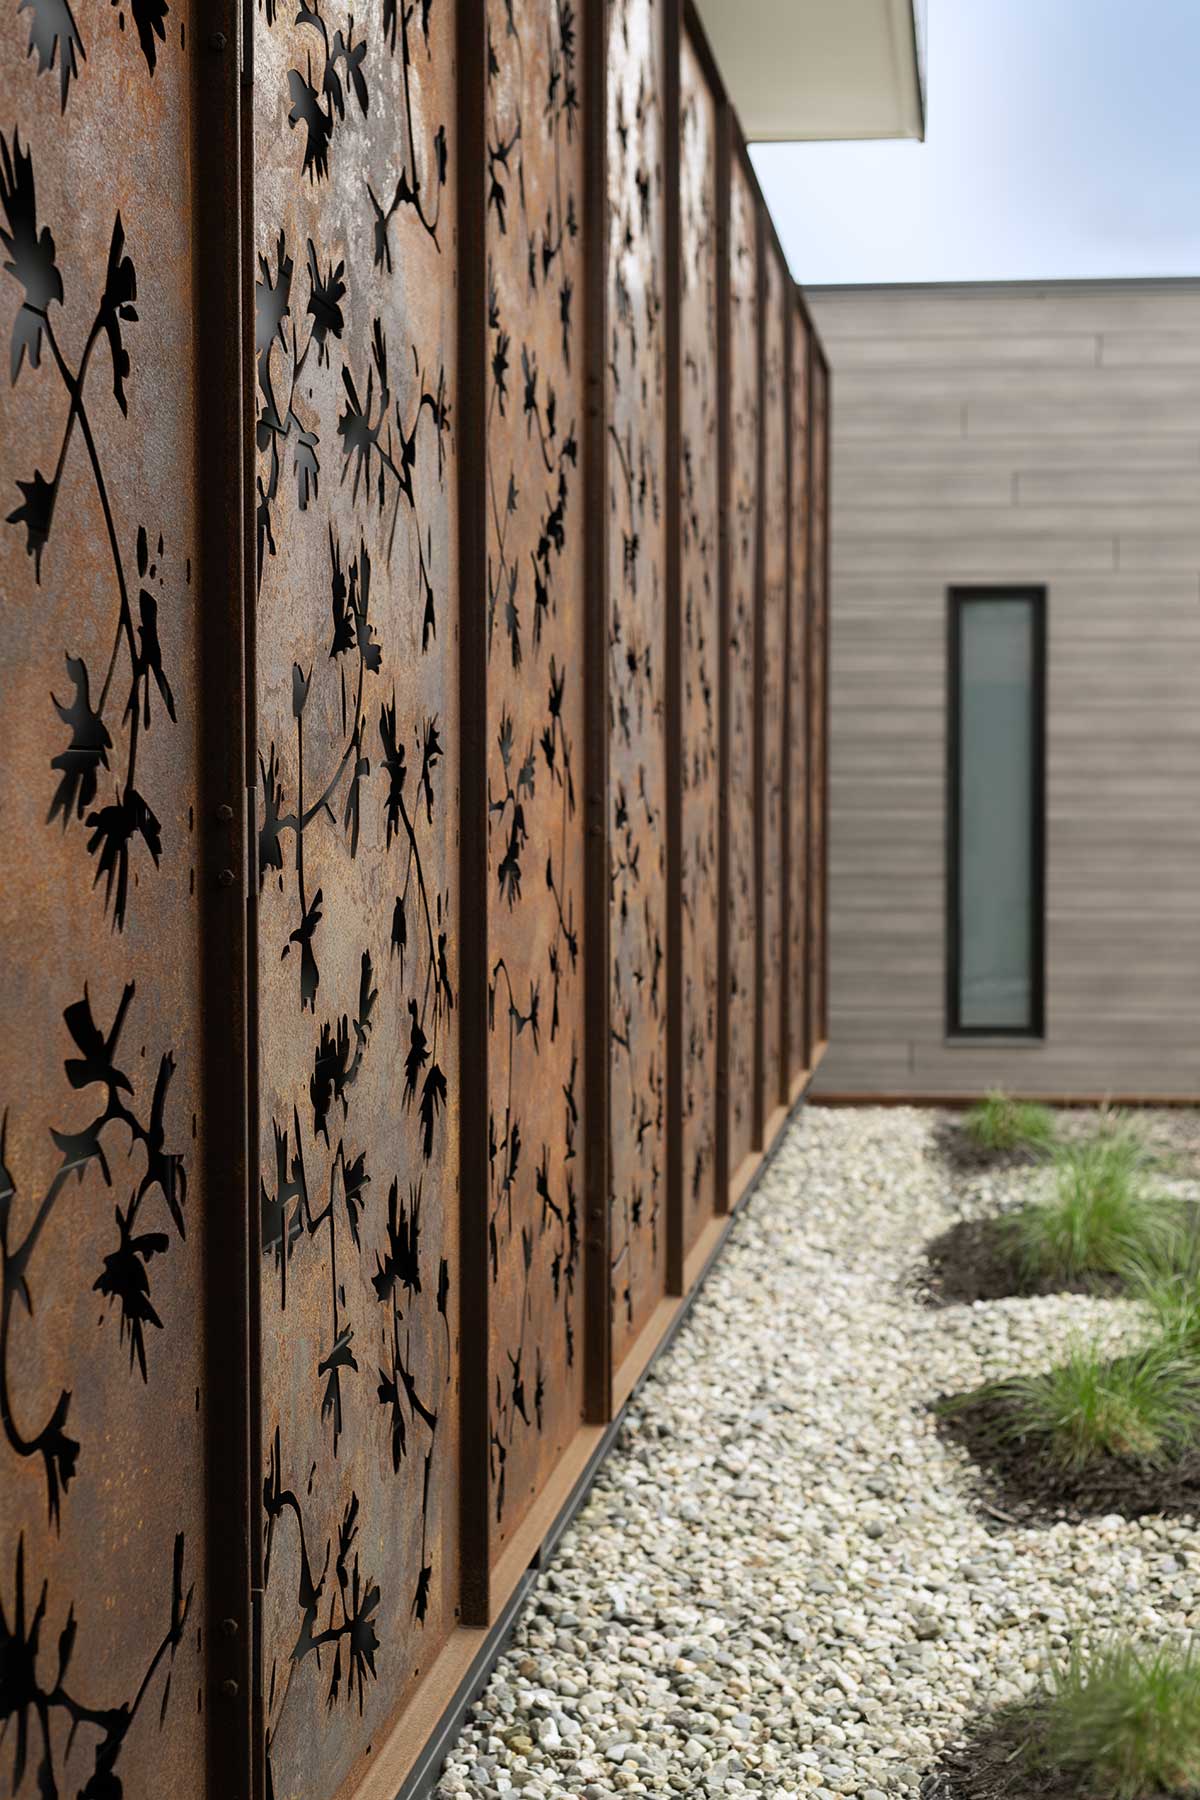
[1145, 389]
[870, 485]
[961, 350]
[1094, 487]
[992, 558]
[1052, 450]
[1085, 417]
[1000, 310]
[1074, 519]
[1178, 349]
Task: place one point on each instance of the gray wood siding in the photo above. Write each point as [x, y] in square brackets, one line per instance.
[1008, 435]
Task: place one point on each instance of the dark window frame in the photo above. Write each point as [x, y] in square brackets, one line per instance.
[958, 598]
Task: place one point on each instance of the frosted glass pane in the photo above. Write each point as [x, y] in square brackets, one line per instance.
[996, 873]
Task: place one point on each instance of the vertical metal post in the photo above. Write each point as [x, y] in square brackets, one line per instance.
[810, 685]
[475, 1298]
[224, 325]
[785, 971]
[826, 635]
[724, 401]
[760, 613]
[673, 695]
[596, 971]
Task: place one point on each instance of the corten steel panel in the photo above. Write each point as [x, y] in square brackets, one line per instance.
[700, 629]
[796, 796]
[536, 553]
[818, 702]
[740, 797]
[776, 299]
[357, 679]
[636, 665]
[102, 1131]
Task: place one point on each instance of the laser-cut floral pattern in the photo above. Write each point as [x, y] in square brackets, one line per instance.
[797, 786]
[535, 576]
[636, 664]
[775, 298]
[102, 1202]
[701, 624]
[743, 921]
[357, 644]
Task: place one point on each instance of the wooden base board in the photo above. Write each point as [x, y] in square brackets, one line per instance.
[746, 1170]
[774, 1123]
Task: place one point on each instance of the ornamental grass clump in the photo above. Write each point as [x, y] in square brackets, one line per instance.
[1100, 1218]
[1121, 1720]
[1002, 1124]
[1144, 1406]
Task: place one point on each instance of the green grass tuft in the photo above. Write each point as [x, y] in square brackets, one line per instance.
[1171, 1290]
[1000, 1123]
[1144, 1405]
[1100, 1218]
[1123, 1720]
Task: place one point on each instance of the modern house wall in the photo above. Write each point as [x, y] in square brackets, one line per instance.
[1018, 435]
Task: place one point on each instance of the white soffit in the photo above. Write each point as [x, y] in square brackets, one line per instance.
[820, 68]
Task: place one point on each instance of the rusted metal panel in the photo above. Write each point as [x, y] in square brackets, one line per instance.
[357, 621]
[740, 795]
[776, 298]
[818, 701]
[103, 1202]
[536, 685]
[700, 627]
[636, 379]
[797, 784]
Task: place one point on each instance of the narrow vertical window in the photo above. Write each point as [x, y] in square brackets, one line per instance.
[995, 806]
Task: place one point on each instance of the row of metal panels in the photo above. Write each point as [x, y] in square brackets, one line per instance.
[413, 787]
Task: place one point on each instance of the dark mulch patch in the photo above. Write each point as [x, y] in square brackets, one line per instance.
[958, 1149]
[1029, 1488]
[989, 1765]
[975, 1260]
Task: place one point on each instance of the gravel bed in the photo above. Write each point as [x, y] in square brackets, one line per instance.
[784, 1582]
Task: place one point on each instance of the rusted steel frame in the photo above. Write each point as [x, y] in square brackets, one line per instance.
[759, 735]
[801, 613]
[597, 1381]
[673, 686]
[224, 326]
[724, 133]
[475, 1510]
[810, 1035]
[826, 560]
[786, 862]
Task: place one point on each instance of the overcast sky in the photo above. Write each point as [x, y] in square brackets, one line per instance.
[1062, 140]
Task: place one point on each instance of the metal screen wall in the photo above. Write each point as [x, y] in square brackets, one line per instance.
[357, 613]
[772, 686]
[637, 656]
[742, 789]
[413, 772]
[107, 1147]
[795, 796]
[700, 628]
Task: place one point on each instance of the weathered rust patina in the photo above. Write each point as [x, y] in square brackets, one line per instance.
[356, 627]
